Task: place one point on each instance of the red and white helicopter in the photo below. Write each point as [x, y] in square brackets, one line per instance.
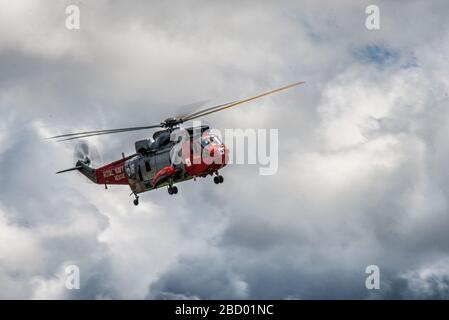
[166, 159]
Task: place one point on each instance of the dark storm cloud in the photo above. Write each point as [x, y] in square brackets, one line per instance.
[66, 227]
[209, 278]
[276, 274]
[362, 175]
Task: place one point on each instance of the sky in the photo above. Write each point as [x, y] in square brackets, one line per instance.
[362, 176]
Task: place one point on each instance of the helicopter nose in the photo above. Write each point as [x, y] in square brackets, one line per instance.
[224, 154]
[220, 154]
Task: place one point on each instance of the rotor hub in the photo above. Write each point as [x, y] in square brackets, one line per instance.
[171, 122]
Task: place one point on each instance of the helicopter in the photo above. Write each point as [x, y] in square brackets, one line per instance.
[173, 155]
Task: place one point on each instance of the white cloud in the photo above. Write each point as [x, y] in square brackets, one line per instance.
[363, 153]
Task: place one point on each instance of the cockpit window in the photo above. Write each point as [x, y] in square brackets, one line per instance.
[207, 140]
[215, 139]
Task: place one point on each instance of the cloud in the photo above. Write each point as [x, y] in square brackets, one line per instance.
[428, 281]
[209, 278]
[362, 176]
[375, 54]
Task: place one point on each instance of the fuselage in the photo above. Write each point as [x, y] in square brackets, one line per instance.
[166, 164]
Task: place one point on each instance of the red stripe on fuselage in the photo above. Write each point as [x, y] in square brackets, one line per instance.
[113, 173]
[162, 175]
[200, 165]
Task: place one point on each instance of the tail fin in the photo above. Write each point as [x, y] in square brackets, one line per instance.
[82, 167]
[67, 170]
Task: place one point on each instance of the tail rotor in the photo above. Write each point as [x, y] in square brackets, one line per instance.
[86, 157]
[86, 153]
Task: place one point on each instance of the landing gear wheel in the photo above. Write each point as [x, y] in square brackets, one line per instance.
[218, 179]
[175, 189]
[136, 201]
[170, 190]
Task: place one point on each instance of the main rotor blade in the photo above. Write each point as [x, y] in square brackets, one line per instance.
[204, 110]
[233, 104]
[90, 135]
[100, 132]
[181, 111]
[68, 170]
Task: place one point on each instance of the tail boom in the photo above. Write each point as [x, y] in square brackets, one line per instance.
[112, 173]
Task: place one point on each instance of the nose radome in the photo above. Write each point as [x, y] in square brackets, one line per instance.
[220, 154]
[225, 155]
